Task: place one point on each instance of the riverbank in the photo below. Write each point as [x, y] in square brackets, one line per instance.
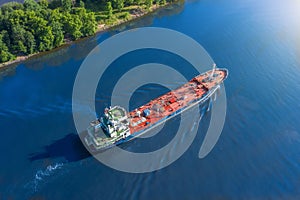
[136, 12]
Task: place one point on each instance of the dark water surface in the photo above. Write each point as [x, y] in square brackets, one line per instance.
[256, 157]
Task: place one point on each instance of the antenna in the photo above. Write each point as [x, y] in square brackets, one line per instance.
[213, 70]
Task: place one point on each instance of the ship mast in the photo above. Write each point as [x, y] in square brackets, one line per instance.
[213, 71]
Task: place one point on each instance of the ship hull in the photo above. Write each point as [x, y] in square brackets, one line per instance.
[134, 135]
[143, 129]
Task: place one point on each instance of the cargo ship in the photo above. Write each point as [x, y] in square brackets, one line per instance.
[117, 126]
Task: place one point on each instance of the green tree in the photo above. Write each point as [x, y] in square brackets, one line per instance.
[11, 6]
[76, 25]
[149, 3]
[118, 4]
[42, 33]
[66, 5]
[44, 38]
[44, 13]
[31, 5]
[81, 4]
[16, 17]
[39, 26]
[5, 55]
[30, 43]
[18, 35]
[137, 2]
[88, 20]
[6, 38]
[109, 10]
[79, 11]
[72, 25]
[43, 4]
[90, 24]
[21, 47]
[53, 4]
[55, 15]
[57, 33]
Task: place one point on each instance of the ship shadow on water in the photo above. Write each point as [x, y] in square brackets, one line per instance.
[70, 148]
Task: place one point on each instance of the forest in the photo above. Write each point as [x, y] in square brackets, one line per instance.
[37, 26]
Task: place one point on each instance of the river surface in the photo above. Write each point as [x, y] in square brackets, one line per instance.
[256, 157]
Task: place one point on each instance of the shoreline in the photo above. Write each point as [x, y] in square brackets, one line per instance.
[100, 29]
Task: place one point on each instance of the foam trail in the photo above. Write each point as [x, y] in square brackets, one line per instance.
[41, 176]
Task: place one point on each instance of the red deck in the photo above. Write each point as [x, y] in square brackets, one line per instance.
[174, 100]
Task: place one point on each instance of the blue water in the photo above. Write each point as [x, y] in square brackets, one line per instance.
[256, 157]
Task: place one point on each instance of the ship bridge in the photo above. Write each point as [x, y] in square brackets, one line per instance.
[116, 122]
